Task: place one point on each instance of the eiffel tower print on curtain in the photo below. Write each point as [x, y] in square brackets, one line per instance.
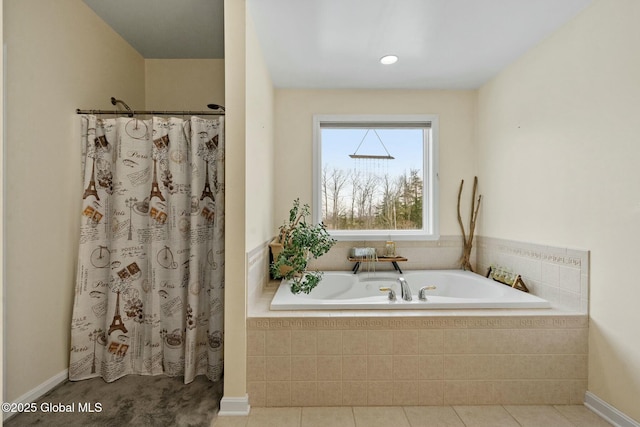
[211, 145]
[162, 145]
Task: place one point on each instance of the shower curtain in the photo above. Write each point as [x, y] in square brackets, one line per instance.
[150, 287]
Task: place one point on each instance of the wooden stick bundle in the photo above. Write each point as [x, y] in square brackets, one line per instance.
[467, 242]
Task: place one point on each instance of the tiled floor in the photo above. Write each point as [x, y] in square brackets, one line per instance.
[418, 416]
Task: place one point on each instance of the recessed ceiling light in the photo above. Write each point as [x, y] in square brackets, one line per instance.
[388, 59]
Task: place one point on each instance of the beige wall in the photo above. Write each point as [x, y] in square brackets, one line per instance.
[235, 298]
[2, 301]
[249, 186]
[183, 84]
[558, 159]
[260, 141]
[60, 56]
[294, 142]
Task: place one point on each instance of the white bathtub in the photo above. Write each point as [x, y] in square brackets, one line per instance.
[454, 289]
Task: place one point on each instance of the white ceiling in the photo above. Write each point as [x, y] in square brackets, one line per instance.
[442, 44]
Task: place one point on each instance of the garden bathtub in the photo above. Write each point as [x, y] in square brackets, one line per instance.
[454, 289]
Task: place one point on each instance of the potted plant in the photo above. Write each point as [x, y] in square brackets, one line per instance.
[293, 247]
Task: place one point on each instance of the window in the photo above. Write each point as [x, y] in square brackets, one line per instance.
[375, 177]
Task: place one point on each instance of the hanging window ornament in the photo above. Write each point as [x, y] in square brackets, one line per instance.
[371, 164]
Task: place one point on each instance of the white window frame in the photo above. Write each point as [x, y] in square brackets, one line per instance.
[430, 205]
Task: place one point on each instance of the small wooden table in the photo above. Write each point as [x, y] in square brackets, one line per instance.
[393, 260]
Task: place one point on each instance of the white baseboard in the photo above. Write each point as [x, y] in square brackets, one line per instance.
[234, 406]
[39, 391]
[608, 412]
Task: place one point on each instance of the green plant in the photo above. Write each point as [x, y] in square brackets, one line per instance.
[300, 241]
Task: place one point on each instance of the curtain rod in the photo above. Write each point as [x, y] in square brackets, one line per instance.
[159, 113]
[131, 112]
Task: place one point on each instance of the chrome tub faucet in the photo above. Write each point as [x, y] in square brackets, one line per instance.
[405, 290]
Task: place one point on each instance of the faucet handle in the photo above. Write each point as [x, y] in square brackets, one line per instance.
[422, 293]
[392, 293]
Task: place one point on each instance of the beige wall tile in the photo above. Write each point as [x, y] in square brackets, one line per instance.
[255, 343]
[481, 393]
[256, 368]
[278, 368]
[406, 367]
[405, 342]
[431, 341]
[431, 367]
[567, 366]
[456, 392]
[552, 341]
[456, 341]
[354, 393]
[570, 341]
[304, 393]
[511, 366]
[431, 392]
[329, 393]
[354, 367]
[380, 367]
[329, 342]
[257, 393]
[577, 389]
[278, 342]
[456, 367]
[354, 342]
[329, 368]
[379, 393]
[379, 342]
[406, 393]
[278, 393]
[304, 368]
[550, 392]
[303, 342]
[486, 341]
[522, 361]
[513, 392]
[480, 367]
[533, 392]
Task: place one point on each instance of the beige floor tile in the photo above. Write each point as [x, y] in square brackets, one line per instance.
[485, 416]
[381, 416]
[432, 416]
[328, 416]
[230, 422]
[537, 416]
[581, 416]
[274, 417]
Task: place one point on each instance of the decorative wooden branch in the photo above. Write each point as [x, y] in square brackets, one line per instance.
[467, 242]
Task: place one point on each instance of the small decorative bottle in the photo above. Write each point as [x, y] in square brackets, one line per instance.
[390, 248]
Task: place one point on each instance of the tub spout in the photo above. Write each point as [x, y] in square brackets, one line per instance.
[405, 289]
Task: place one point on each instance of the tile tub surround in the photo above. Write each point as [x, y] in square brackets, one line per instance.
[421, 360]
[559, 275]
[442, 254]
